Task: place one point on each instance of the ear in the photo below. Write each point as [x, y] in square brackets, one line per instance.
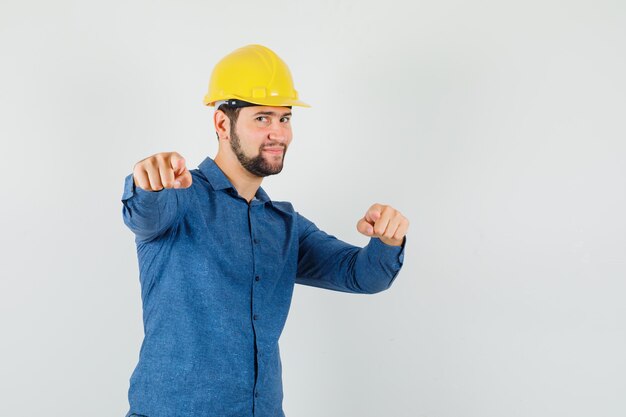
[222, 124]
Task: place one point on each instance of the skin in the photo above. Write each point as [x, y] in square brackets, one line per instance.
[244, 157]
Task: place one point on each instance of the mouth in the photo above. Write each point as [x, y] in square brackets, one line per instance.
[275, 151]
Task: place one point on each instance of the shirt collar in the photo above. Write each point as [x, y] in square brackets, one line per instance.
[219, 180]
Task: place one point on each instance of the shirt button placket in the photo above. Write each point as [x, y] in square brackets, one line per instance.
[257, 278]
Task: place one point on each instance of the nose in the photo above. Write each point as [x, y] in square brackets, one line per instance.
[279, 132]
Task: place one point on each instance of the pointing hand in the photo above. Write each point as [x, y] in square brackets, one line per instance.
[385, 223]
[163, 170]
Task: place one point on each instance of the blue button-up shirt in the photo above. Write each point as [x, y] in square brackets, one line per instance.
[217, 274]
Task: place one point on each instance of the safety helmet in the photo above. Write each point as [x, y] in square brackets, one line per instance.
[252, 74]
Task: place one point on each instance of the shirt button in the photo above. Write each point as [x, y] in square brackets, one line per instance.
[257, 278]
[255, 317]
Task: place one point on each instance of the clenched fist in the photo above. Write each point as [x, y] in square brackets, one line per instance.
[163, 170]
[385, 223]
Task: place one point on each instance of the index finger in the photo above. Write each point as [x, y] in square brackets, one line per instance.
[178, 163]
[371, 216]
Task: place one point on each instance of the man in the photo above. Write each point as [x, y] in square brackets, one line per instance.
[218, 258]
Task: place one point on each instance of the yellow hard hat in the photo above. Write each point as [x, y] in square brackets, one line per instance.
[253, 74]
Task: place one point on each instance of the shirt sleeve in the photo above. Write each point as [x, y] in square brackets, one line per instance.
[148, 214]
[327, 262]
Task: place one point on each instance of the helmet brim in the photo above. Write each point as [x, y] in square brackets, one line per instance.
[265, 101]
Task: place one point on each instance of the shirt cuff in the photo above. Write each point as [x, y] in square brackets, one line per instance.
[394, 254]
[130, 189]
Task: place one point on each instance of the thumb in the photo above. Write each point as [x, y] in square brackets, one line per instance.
[183, 180]
[182, 176]
[365, 227]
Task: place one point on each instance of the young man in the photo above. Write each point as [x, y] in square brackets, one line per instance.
[218, 258]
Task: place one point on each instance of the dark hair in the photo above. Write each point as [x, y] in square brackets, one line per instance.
[232, 113]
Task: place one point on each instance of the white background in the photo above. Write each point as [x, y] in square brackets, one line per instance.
[496, 127]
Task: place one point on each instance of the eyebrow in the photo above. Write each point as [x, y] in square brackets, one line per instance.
[270, 113]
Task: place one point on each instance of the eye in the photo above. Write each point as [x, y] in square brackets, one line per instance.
[286, 119]
[261, 117]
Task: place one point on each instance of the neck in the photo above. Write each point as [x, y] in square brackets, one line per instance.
[244, 182]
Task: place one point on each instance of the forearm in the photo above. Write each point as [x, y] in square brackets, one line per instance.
[327, 262]
[149, 213]
[377, 265]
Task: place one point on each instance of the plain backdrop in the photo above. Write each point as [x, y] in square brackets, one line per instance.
[496, 127]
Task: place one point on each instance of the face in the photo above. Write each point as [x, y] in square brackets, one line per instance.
[260, 138]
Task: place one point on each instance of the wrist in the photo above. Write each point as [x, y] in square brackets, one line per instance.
[391, 242]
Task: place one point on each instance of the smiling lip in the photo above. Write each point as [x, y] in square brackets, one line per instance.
[273, 150]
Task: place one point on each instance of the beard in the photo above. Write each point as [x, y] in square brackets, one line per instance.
[256, 165]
